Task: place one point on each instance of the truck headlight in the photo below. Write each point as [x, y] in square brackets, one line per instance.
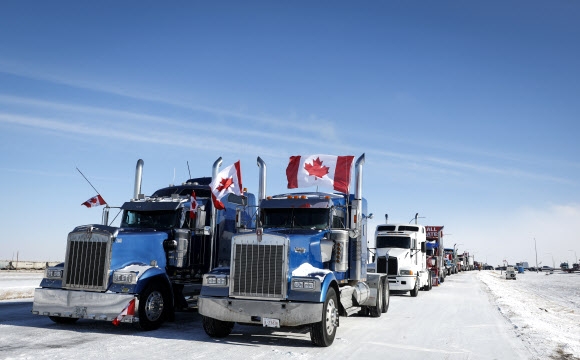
[215, 280]
[125, 277]
[406, 272]
[304, 284]
[54, 273]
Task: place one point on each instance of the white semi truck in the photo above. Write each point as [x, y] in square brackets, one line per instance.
[401, 253]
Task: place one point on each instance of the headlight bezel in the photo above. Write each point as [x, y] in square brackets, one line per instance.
[405, 272]
[125, 277]
[305, 284]
[54, 273]
[215, 280]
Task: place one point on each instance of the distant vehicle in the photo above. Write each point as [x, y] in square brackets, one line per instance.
[510, 273]
[575, 267]
[546, 268]
[488, 267]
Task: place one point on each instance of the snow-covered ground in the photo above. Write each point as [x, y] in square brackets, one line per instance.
[19, 284]
[544, 309]
[473, 315]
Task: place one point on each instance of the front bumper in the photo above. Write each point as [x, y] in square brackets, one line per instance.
[253, 311]
[82, 304]
[402, 283]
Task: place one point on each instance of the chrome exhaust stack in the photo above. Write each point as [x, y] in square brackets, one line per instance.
[138, 178]
[262, 179]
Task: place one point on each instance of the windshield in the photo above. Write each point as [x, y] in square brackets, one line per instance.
[393, 242]
[316, 218]
[149, 219]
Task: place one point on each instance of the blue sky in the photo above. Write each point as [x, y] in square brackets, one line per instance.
[467, 112]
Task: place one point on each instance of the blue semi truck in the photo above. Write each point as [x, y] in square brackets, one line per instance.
[149, 266]
[304, 266]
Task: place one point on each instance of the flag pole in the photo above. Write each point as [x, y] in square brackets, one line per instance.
[88, 181]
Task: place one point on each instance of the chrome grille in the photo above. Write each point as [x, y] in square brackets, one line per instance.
[259, 268]
[87, 260]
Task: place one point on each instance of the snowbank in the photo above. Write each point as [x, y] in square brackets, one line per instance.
[19, 284]
[543, 308]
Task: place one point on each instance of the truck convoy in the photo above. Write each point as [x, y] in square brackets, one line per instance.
[401, 253]
[149, 266]
[436, 254]
[305, 265]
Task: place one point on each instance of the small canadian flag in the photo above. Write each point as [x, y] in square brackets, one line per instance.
[128, 310]
[94, 201]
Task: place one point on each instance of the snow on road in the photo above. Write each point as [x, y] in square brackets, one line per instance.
[472, 315]
[543, 308]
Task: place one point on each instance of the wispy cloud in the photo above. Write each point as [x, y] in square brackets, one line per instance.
[8, 67]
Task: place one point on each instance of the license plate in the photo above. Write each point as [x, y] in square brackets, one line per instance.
[275, 323]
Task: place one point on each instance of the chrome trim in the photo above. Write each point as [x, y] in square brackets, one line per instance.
[259, 269]
[81, 304]
[87, 260]
[252, 311]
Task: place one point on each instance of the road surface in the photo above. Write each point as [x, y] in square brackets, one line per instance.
[454, 321]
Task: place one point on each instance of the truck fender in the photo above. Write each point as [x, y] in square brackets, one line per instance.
[153, 274]
[328, 281]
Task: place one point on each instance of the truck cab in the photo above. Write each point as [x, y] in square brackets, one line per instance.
[401, 253]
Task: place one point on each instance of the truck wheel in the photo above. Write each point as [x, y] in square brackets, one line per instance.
[415, 290]
[153, 307]
[216, 328]
[429, 285]
[386, 295]
[443, 278]
[322, 333]
[377, 309]
[63, 320]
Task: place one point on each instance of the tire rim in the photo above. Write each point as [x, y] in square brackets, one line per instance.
[331, 315]
[154, 306]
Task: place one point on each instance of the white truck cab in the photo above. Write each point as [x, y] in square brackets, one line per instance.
[401, 253]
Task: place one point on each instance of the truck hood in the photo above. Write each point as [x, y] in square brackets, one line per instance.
[138, 247]
[394, 252]
[304, 247]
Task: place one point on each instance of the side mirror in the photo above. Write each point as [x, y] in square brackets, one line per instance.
[423, 247]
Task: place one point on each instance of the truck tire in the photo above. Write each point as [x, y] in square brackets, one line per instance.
[153, 306]
[376, 310]
[216, 328]
[322, 333]
[63, 320]
[415, 290]
[386, 296]
[429, 285]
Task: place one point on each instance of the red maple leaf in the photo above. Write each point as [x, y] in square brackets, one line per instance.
[225, 183]
[316, 169]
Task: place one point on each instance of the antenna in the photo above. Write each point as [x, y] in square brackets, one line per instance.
[188, 169]
[88, 181]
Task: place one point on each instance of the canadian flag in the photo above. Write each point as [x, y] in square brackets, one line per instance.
[192, 205]
[128, 310]
[229, 180]
[94, 201]
[319, 170]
